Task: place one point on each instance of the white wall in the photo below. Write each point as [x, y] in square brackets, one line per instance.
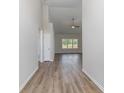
[30, 22]
[45, 15]
[58, 43]
[93, 40]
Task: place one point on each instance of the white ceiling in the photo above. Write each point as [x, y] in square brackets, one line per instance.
[61, 13]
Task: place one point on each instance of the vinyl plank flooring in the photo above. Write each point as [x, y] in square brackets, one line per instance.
[64, 75]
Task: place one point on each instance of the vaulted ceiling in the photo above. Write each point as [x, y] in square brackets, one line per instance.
[61, 13]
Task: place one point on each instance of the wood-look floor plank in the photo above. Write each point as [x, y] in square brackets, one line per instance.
[64, 75]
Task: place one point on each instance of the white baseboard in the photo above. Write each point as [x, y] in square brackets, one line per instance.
[41, 61]
[48, 60]
[68, 53]
[26, 81]
[51, 60]
[94, 81]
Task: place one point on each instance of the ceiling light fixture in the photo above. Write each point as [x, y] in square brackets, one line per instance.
[73, 24]
[72, 27]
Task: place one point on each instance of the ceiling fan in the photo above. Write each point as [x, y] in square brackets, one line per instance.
[73, 24]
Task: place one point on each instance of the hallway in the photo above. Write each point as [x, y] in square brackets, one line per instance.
[64, 75]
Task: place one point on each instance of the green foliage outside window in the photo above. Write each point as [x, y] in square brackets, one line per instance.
[69, 43]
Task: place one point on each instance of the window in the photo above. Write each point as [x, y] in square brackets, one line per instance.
[69, 43]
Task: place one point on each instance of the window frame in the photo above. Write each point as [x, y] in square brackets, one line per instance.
[71, 42]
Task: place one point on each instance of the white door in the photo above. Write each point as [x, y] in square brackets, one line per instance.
[41, 46]
[47, 46]
[48, 37]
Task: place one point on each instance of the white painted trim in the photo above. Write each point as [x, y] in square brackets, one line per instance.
[41, 61]
[93, 80]
[48, 60]
[52, 59]
[68, 52]
[26, 81]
